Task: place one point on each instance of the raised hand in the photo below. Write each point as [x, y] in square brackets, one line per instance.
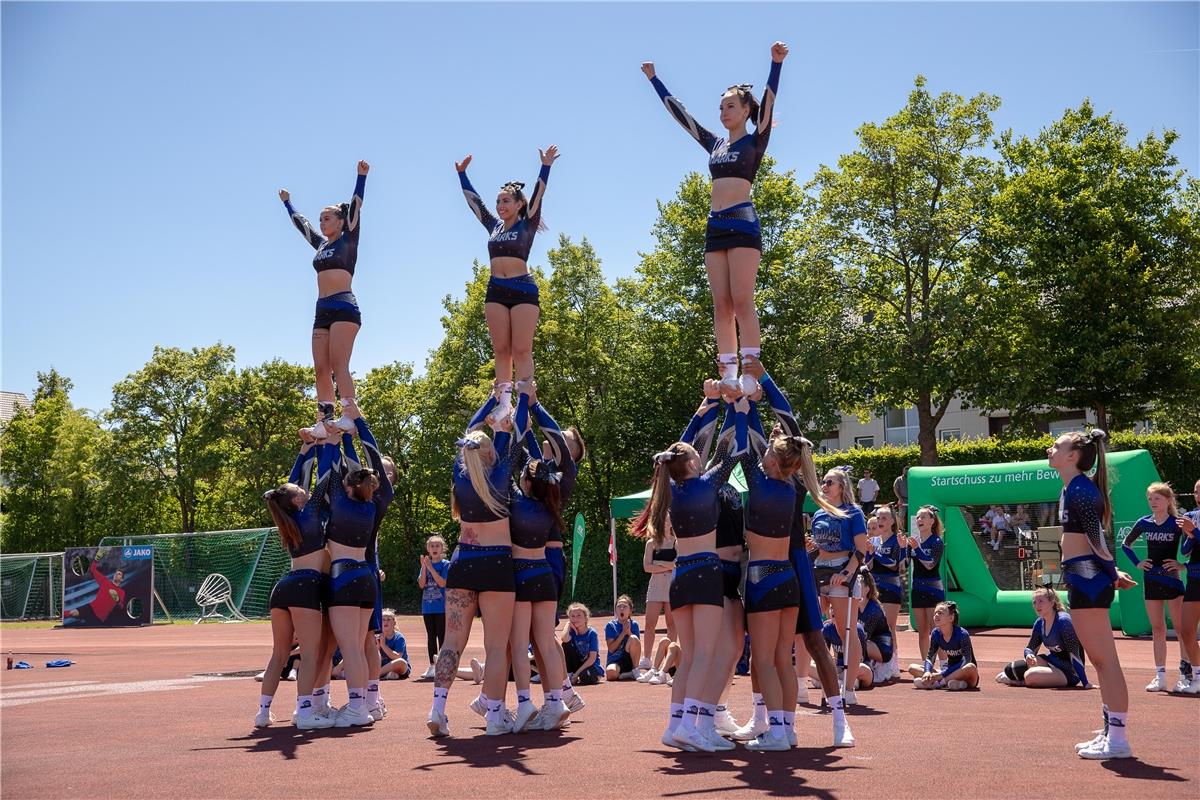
[461, 166]
[779, 52]
[712, 388]
[285, 195]
[363, 168]
[550, 156]
[648, 68]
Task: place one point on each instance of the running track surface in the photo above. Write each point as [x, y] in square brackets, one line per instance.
[131, 720]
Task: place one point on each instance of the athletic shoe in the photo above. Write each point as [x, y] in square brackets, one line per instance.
[1157, 685]
[499, 728]
[439, 724]
[291, 676]
[535, 678]
[1193, 687]
[748, 384]
[525, 714]
[345, 424]
[850, 698]
[932, 683]
[731, 388]
[880, 673]
[1182, 686]
[1007, 681]
[377, 711]
[791, 737]
[477, 706]
[725, 724]
[957, 686]
[503, 410]
[427, 675]
[670, 680]
[1090, 743]
[644, 663]
[477, 670]
[320, 431]
[635, 675]
[686, 733]
[751, 730]
[646, 676]
[668, 739]
[770, 742]
[263, 718]
[553, 714]
[1105, 750]
[842, 737]
[314, 722]
[259, 676]
[575, 704]
[658, 679]
[718, 741]
[352, 717]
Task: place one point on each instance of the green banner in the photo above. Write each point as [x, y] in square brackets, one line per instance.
[576, 550]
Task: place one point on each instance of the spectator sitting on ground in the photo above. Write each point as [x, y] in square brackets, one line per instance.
[624, 643]
[662, 667]
[581, 647]
[393, 651]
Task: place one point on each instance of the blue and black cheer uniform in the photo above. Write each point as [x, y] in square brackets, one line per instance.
[486, 568]
[566, 484]
[307, 588]
[1090, 579]
[927, 589]
[382, 502]
[738, 225]
[957, 649]
[885, 569]
[770, 585]
[1065, 650]
[695, 511]
[514, 242]
[1162, 543]
[833, 638]
[340, 253]
[352, 524]
[875, 627]
[1189, 549]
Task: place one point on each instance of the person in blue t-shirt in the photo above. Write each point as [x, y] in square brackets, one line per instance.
[393, 651]
[432, 580]
[623, 638]
[581, 647]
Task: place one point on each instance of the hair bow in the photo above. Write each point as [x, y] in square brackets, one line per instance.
[467, 444]
[547, 471]
[846, 468]
[268, 494]
[1097, 434]
[741, 87]
[800, 440]
[665, 457]
[515, 186]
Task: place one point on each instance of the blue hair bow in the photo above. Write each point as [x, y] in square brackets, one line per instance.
[467, 444]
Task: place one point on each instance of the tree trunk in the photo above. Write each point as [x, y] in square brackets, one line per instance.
[927, 429]
[1101, 417]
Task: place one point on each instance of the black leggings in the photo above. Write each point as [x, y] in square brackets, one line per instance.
[574, 662]
[435, 631]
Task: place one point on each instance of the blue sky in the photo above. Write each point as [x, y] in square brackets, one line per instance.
[143, 144]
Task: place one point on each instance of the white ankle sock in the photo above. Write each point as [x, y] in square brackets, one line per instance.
[439, 699]
[264, 700]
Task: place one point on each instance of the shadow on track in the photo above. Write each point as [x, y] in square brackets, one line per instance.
[283, 739]
[511, 750]
[1140, 770]
[777, 774]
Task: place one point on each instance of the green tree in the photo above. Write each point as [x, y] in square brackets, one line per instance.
[896, 223]
[51, 484]
[1103, 235]
[250, 441]
[159, 416]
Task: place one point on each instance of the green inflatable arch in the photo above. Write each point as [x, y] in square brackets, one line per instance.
[970, 582]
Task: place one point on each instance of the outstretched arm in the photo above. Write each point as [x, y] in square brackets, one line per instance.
[766, 109]
[356, 200]
[375, 458]
[310, 234]
[539, 189]
[481, 415]
[474, 201]
[681, 115]
[780, 405]
[301, 473]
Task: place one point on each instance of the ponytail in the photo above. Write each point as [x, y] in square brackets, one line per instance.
[1092, 450]
[808, 476]
[670, 464]
[279, 503]
[473, 448]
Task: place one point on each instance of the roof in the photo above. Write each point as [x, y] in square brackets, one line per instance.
[10, 402]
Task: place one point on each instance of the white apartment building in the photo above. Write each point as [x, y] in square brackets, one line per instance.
[899, 427]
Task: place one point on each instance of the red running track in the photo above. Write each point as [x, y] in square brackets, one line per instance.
[131, 720]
